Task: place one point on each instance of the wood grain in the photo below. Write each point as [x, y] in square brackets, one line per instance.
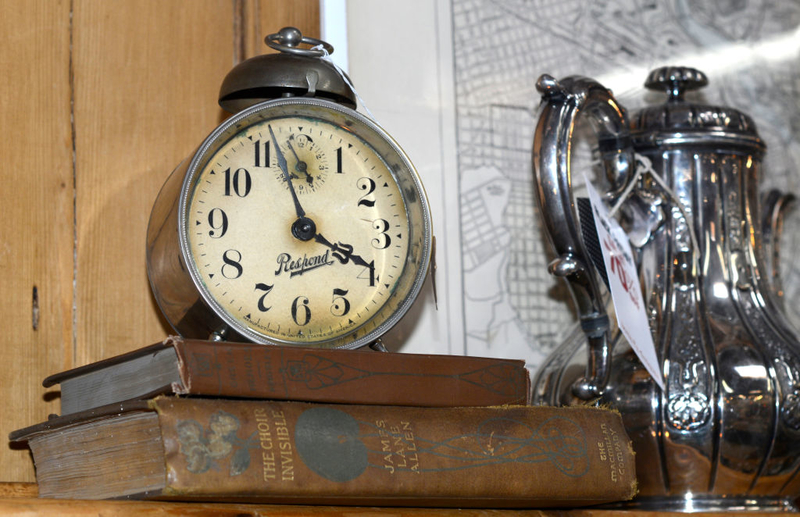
[73, 508]
[101, 100]
[262, 17]
[146, 96]
[147, 75]
[36, 233]
[20, 499]
[18, 489]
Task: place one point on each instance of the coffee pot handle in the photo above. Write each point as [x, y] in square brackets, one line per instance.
[562, 102]
[775, 206]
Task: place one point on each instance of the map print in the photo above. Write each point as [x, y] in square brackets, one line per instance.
[749, 50]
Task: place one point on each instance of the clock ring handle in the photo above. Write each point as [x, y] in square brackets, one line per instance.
[287, 40]
[562, 102]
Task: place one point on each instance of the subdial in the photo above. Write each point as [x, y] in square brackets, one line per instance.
[307, 163]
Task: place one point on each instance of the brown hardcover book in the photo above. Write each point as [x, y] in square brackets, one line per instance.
[243, 370]
[309, 453]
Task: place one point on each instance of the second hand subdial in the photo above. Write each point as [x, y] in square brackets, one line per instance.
[300, 166]
[286, 176]
[303, 228]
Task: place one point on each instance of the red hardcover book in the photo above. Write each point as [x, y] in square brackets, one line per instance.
[242, 370]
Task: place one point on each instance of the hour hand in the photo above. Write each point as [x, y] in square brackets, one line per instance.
[343, 252]
[286, 176]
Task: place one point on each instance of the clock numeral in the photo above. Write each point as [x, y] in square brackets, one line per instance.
[218, 221]
[370, 276]
[367, 184]
[300, 305]
[232, 269]
[261, 158]
[341, 306]
[301, 140]
[239, 182]
[339, 160]
[383, 240]
[266, 288]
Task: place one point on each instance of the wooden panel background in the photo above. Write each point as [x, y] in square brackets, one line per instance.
[100, 101]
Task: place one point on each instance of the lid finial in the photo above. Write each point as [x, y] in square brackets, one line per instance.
[675, 81]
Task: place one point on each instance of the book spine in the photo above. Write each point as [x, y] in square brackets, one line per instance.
[356, 377]
[294, 451]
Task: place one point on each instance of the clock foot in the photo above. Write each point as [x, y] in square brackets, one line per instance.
[219, 335]
[378, 346]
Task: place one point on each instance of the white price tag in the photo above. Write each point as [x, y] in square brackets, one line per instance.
[623, 282]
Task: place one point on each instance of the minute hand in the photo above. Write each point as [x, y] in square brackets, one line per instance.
[285, 169]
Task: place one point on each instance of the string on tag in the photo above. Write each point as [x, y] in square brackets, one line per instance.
[328, 59]
[645, 166]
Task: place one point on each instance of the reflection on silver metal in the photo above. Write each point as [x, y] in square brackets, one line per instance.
[725, 434]
[294, 71]
[288, 39]
[180, 291]
[776, 205]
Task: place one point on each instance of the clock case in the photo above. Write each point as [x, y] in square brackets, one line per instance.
[299, 82]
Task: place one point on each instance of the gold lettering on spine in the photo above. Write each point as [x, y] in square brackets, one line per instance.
[411, 446]
[285, 448]
[398, 447]
[386, 446]
[268, 464]
[610, 449]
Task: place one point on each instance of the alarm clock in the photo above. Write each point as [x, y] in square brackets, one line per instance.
[298, 221]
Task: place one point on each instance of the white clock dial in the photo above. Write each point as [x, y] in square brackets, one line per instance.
[303, 223]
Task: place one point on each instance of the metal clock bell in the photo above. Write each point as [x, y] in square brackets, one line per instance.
[298, 221]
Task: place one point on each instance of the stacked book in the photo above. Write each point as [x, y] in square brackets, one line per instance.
[196, 420]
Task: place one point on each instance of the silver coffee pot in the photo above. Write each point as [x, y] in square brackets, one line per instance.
[725, 431]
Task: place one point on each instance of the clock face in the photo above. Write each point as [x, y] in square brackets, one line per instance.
[301, 226]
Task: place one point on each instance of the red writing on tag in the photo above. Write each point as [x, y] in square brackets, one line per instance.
[618, 268]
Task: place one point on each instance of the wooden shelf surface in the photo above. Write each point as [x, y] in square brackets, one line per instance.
[20, 499]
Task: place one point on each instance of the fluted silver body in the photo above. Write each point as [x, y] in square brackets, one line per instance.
[725, 433]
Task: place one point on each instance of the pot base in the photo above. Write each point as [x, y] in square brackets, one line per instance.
[702, 503]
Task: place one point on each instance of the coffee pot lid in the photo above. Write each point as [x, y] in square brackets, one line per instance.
[688, 121]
